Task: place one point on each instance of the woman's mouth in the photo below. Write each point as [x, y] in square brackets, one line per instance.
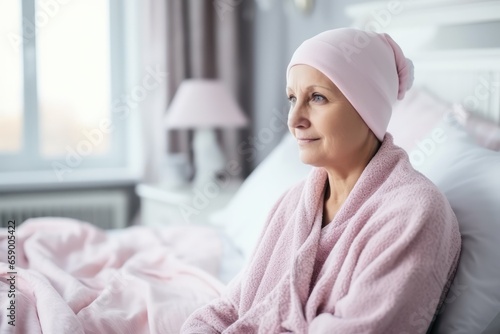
[304, 141]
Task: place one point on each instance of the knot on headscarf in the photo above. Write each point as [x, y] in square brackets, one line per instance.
[369, 68]
[404, 67]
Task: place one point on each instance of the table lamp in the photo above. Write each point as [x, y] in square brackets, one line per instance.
[204, 105]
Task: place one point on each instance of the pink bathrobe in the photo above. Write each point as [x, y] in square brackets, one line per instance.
[381, 266]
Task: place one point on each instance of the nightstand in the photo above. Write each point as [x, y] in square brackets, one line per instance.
[162, 205]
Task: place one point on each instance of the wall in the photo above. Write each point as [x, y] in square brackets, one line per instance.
[277, 33]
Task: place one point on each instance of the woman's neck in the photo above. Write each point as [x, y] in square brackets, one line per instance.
[341, 181]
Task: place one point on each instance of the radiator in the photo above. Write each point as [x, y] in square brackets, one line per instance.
[106, 209]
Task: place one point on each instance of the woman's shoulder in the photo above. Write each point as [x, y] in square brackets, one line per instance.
[400, 185]
[410, 187]
[415, 206]
[413, 200]
[418, 189]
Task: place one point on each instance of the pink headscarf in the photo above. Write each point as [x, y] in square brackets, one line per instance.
[369, 69]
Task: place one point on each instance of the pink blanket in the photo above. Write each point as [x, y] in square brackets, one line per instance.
[74, 278]
[381, 266]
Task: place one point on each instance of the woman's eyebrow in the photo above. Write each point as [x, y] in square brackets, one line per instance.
[287, 89]
[324, 87]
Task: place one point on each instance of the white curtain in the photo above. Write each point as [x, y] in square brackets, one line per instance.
[154, 58]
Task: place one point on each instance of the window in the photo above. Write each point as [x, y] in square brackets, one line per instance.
[11, 105]
[62, 66]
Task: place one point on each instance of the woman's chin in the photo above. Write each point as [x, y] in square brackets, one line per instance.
[308, 159]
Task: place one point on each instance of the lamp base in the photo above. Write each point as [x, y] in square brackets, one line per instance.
[208, 157]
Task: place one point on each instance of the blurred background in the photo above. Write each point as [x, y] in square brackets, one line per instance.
[85, 86]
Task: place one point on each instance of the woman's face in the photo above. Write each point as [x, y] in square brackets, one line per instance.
[329, 131]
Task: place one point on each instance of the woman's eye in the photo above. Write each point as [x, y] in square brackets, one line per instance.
[292, 99]
[318, 98]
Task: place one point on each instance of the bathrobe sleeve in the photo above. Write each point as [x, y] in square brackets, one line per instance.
[216, 316]
[224, 311]
[401, 269]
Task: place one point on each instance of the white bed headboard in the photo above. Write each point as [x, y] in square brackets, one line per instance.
[454, 44]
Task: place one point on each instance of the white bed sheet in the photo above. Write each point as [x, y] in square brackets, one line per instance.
[232, 261]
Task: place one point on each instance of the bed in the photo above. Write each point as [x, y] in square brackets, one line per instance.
[74, 278]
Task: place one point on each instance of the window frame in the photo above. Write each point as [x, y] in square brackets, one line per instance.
[122, 164]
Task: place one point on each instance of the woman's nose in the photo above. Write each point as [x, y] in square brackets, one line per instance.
[297, 116]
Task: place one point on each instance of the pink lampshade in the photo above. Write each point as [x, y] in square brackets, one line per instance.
[204, 103]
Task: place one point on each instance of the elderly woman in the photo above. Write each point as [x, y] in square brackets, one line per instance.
[365, 244]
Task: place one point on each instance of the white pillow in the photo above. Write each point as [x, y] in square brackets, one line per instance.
[244, 217]
[417, 117]
[469, 176]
